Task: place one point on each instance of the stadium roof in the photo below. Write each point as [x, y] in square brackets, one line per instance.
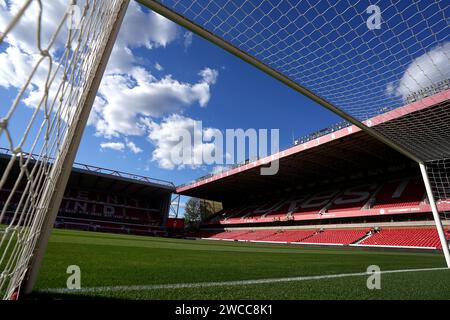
[342, 154]
[85, 176]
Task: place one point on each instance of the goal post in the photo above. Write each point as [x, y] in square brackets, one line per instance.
[292, 42]
[76, 56]
[59, 177]
[326, 51]
[435, 212]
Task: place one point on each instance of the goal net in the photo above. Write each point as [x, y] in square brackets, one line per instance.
[384, 67]
[65, 56]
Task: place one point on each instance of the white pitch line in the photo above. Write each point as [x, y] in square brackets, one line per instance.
[227, 283]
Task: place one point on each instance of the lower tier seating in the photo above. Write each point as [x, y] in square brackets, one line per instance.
[257, 235]
[408, 237]
[426, 237]
[344, 236]
[232, 235]
[290, 235]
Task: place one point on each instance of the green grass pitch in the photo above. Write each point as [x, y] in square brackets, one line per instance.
[112, 263]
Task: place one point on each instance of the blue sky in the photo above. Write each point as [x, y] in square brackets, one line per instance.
[242, 97]
[162, 78]
[239, 97]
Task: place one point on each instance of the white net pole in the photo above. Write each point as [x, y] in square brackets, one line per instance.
[435, 211]
[60, 88]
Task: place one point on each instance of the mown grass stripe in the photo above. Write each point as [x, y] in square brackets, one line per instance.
[228, 283]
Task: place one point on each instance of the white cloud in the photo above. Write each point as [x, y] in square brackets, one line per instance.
[133, 148]
[188, 38]
[15, 68]
[429, 68]
[21, 54]
[166, 137]
[390, 88]
[116, 146]
[127, 99]
[130, 98]
[140, 29]
[209, 75]
[121, 146]
[24, 33]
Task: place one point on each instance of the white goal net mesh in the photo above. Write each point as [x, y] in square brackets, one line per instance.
[384, 63]
[62, 56]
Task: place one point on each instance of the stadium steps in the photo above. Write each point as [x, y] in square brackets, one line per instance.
[337, 236]
[368, 235]
[405, 237]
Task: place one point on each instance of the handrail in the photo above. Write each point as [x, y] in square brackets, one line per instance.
[95, 169]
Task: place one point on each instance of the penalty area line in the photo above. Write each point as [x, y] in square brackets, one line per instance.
[227, 283]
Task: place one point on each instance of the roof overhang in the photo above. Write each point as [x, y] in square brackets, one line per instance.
[88, 177]
[338, 155]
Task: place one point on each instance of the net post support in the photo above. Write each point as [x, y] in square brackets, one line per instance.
[66, 159]
[435, 212]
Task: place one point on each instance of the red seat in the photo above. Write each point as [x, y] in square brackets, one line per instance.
[290, 235]
[408, 237]
[401, 193]
[344, 236]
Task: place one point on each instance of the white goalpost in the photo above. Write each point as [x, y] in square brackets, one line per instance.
[325, 50]
[359, 62]
[67, 59]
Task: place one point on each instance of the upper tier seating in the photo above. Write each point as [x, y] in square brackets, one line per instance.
[399, 196]
[400, 193]
[353, 198]
[314, 203]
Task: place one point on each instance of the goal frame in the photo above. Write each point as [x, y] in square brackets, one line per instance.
[66, 160]
[62, 166]
[215, 39]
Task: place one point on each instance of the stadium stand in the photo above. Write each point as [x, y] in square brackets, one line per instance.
[291, 235]
[102, 200]
[231, 235]
[400, 193]
[256, 235]
[343, 237]
[406, 194]
[406, 237]
[422, 237]
[336, 176]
